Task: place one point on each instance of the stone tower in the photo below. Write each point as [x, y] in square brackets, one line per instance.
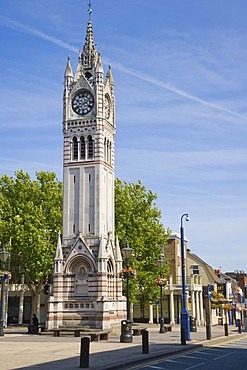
[87, 289]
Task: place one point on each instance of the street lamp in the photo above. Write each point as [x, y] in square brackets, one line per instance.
[126, 325]
[3, 258]
[160, 264]
[185, 325]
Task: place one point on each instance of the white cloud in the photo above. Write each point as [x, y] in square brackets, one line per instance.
[132, 72]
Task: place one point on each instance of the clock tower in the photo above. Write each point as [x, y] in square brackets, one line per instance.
[87, 288]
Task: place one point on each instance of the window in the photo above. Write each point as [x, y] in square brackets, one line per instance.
[75, 148]
[109, 155]
[195, 270]
[105, 150]
[83, 148]
[90, 147]
[178, 274]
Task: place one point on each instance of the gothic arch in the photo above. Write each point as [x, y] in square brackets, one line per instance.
[75, 148]
[82, 147]
[110, 278]
[79, 259]
[90, 147]
[80, 267]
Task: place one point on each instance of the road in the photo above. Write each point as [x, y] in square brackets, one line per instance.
[228, 356]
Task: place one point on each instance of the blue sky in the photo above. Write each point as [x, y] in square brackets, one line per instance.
[180, 75]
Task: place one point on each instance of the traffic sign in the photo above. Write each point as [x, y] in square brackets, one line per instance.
[209, 292]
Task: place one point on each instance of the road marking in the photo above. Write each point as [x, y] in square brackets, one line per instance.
[204, 353]
[228, 354]
[216, 349]
[177, 362]
[194, 357]
[194, 366]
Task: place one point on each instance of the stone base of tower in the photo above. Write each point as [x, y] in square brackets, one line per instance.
[98, 314]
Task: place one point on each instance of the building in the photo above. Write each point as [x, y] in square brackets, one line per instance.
[87, 288]
[172, 252]
[241, 278]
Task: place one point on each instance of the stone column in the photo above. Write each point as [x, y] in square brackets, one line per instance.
[197, 308]
[193, 310]
[201, 307]
[21, 302]
[151, 313]
[172, 319]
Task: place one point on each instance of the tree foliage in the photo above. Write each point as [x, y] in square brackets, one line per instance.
[30, 217]
[138, 222]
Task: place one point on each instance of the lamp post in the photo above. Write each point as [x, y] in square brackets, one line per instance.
[160, 264]
[3, 258]
[185, 325]
[126, 325]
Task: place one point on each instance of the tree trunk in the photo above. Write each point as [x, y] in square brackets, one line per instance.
[35, 292]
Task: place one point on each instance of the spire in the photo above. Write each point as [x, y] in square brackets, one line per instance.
[118, 251]
[68, 71]
[99, 66]
[79, 70]
[59, 251]
[90, 10]
[109, 77]
[89, 52]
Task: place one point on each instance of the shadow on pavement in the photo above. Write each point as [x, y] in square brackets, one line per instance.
[116, 359]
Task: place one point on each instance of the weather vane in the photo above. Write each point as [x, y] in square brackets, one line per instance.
[89, 8]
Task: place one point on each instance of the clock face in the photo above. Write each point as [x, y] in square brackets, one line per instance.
[107, 107]
[83, 102]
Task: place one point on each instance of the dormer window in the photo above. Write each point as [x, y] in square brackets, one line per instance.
[195, 269]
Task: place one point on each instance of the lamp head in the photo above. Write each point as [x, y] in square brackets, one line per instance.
[4, 255]
[160, 263]
[127, 252]
[187, 217]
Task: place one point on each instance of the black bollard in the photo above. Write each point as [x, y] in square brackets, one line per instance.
[239, 327]
[145, 344]
[208, 332]
[84, 355]
[226, 329]
[183, 336]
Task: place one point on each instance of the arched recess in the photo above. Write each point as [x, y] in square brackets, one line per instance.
[75, 149]
[105, 150]
[90, 147]
[80, 266]
[83, 147]
[110, 279]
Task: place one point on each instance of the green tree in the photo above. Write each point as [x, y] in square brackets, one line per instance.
[138, 222]
[30, 217]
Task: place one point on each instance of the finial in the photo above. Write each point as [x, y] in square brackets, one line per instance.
[89, 8]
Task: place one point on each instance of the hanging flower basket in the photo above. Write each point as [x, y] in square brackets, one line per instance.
[227, 307]
[160, 282]
[131, 273]
[5, 275]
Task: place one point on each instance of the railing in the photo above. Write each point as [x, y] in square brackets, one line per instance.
[193, 282]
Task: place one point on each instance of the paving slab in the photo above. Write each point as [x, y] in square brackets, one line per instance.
[19, 350]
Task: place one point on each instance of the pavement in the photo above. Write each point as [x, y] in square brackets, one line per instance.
[19, 350]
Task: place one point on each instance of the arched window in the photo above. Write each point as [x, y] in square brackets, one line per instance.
[107, 152]
[109, 155]
[105, 149]
[75, 148]
[83, 148]
[90, 147]
[110, 279]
